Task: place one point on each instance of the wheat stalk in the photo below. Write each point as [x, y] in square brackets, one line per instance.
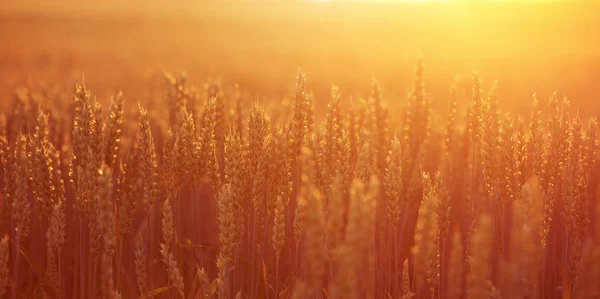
[4, 253]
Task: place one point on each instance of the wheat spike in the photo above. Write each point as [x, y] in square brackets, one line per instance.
[393, 182]
[178, 93]
[129, 183]
[301, 107]
[236, 176]
[279, 226]
[227, 221]
[259, 126]
[146, 164]
[535, 146]
[41, 167]
[20, 203]
[175, 278]
[417, 118]
[279, 177]
[112, 129]
[209, 166]
[406, 292]
[167, 224]
[364, 164]
[141, 271]
[450, 133]
[186, 151]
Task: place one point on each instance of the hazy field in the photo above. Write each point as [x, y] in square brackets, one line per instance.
[287, 150]
[527, 47]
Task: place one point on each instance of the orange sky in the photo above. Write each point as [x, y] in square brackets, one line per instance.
[527, 47]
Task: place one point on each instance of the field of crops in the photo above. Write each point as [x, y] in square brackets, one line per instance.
[299, 150]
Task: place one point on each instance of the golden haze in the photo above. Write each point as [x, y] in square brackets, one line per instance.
[299, 149]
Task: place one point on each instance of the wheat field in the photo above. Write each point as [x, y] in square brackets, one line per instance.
[122, 175]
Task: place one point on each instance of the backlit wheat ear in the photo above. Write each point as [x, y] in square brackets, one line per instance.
[169, 176]
[535, 146]
[238, 113]
[112, 130]
[178, 93]
[175, 278]
[207, 145]
[41, 167]
[406, 292]
[259, 126]
[364, 163]
[80, 129]
[279, 226]
[521, 141]
[450, 133]
[331, 146]
[186, 150]
[301, 107]
[393, 182]
[279, 182]
[227, 221]
[380, 129]
[147, 163]
[128, 191]
[417, 117]
[141, 271]
[15, 188]
[555, 157]
[20, 203]
[236, 176]
[167, 224]
[509, 175]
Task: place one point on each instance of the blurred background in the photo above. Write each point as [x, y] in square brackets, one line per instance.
[528, 47]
